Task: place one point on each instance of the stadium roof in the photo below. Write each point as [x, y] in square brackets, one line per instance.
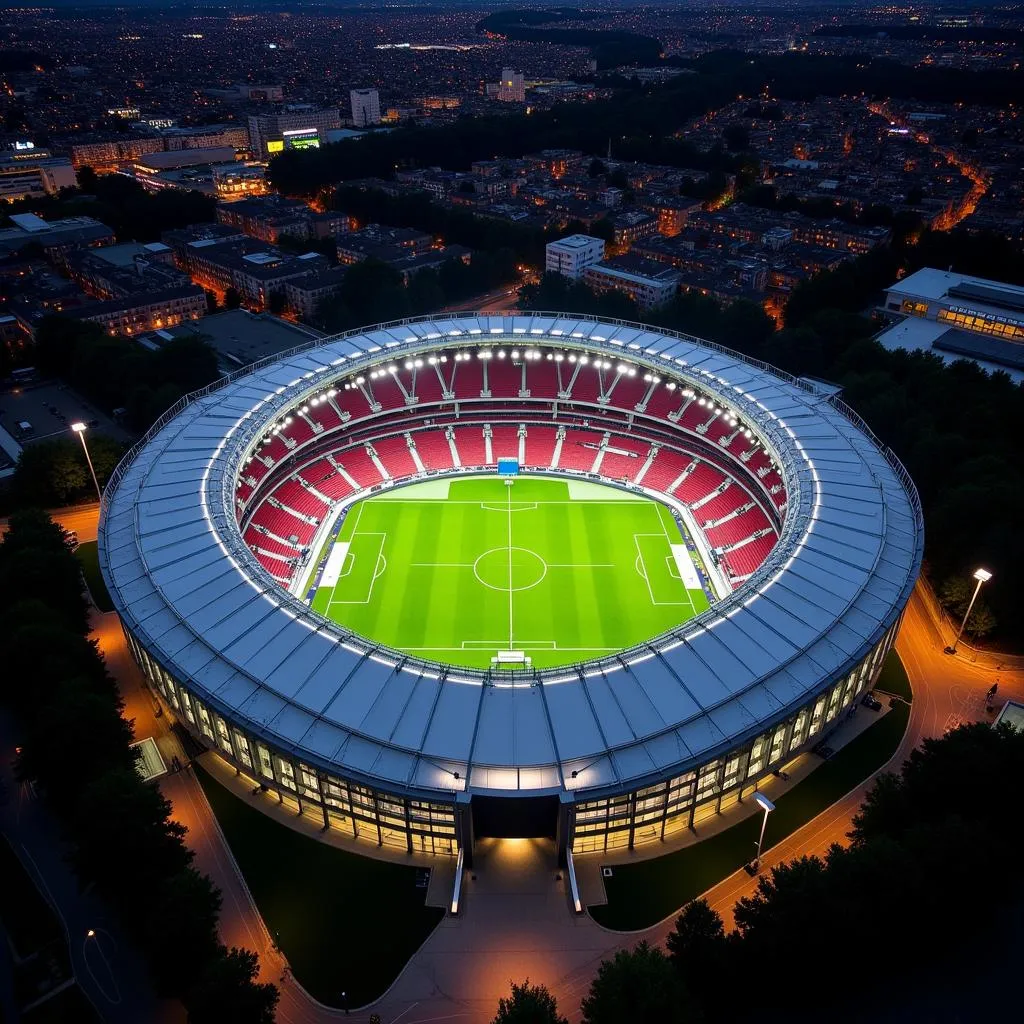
[188, 589]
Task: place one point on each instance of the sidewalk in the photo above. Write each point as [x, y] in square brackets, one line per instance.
[946, 630]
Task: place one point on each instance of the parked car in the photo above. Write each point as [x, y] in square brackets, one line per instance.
[870, 701]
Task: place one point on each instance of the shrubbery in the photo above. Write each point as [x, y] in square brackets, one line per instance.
[75, 747]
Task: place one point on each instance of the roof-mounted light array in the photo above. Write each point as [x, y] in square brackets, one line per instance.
[714, 405]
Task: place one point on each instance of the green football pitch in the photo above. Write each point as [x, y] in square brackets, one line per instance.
[456, 571]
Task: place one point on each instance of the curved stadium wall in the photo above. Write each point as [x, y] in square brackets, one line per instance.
[395, 749]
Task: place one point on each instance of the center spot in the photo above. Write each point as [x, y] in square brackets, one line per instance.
[493, 569]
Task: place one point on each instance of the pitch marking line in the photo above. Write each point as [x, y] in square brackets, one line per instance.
[519, 506]
[523, 505]
[379, 566]
[511, 645]
[641, 568]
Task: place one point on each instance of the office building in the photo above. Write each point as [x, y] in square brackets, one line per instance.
[365, 107]
[955, 316]
[646, 282]
[302, 126]
[30, 173]
[512, 87]
[55, 237]
[571, 256]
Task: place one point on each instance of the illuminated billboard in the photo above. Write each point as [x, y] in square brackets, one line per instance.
[302, 138]
[275, 146]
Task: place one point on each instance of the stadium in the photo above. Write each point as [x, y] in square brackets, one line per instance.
[510, 575]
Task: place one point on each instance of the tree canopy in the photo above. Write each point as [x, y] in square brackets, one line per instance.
[56, 683]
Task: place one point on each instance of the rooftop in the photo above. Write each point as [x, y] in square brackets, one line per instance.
[981, 292]
[185, 584]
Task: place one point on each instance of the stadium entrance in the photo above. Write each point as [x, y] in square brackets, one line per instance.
[496, 817]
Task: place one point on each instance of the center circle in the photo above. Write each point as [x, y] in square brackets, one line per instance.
[510, 569]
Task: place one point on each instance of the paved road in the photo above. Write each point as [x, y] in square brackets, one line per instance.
[82, 519]
[515, 922]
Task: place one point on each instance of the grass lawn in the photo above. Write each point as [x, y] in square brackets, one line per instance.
[456, 570]
[641, 894]
[89, 558]
[893, 677]
[345, 922]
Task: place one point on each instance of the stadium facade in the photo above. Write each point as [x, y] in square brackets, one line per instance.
[424, 756]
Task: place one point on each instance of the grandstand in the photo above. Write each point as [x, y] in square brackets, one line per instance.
[793, 536]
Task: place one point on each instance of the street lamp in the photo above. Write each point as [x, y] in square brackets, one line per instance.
[79, 429]
[766, 804]
[982, 576]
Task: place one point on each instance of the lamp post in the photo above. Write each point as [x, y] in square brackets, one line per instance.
[79, 429]
[982, 576]
[768, 807]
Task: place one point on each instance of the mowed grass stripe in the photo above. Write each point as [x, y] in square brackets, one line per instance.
[429, 600]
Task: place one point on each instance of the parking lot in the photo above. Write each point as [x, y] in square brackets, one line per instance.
[50, 408]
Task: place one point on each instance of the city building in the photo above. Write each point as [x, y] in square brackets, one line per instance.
[239, 180]
[237, 336]
[646, 282]
[365, 107]
[511, 87]
[624, 750]
[271, 217]
[138, 312]
[298, 126]
[171, 160]
[54, 237]
[304, 294]
[27, 172]
[244, 92]
[630, 226]
[112, 154]
[137, 287]
[572, 255]
[955, 317]
[217, 260]
[382, 242]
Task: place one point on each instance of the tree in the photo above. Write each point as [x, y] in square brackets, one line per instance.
[50, 472]
[638, 985]
[180, 928]
[86, 178]
[51, 753]
[955, 596]
[528, 1004]
[736, 137]
[53, 578]
[227, 991]
[150, 846]
[232, 300]
[697, 948]
[187, 362]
